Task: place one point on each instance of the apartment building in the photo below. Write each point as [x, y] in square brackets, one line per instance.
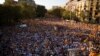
[71, 5]
[85, 9]
[95, 10]
[76, 6]
[80, 12]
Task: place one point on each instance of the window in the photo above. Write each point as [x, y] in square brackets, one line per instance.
[78, 0]
[96, 13]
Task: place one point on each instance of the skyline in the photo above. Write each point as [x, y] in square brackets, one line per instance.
[48, 4]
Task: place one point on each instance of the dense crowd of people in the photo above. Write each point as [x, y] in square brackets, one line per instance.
[49, 41]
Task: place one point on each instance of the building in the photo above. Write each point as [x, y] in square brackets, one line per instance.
[92, 9]
[76, 6]
[80, 11]
[71, 5]
[95, 10]
[86, 10]
[55, 7]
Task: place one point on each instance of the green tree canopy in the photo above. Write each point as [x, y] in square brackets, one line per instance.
[27, 11]
[40, 11]
[57, 12]
[9, 2]
[9, 14]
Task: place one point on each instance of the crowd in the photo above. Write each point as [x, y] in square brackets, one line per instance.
[49, 41]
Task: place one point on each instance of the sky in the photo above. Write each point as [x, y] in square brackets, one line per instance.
[48, 3]
[1, 1]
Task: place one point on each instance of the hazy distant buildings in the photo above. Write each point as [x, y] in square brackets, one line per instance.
[55, 7]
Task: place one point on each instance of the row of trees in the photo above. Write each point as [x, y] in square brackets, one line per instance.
[62, 13]
[11, 13]
[66, 14]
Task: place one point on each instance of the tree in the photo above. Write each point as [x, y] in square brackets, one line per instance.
[9, 2]
[69, 15]
[57, 12]
[40, 11]
[9, 14]
[27, 11]
[66, 15]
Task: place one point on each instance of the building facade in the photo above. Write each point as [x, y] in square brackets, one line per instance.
[95, 10]
[76, 6]
[86, 10]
